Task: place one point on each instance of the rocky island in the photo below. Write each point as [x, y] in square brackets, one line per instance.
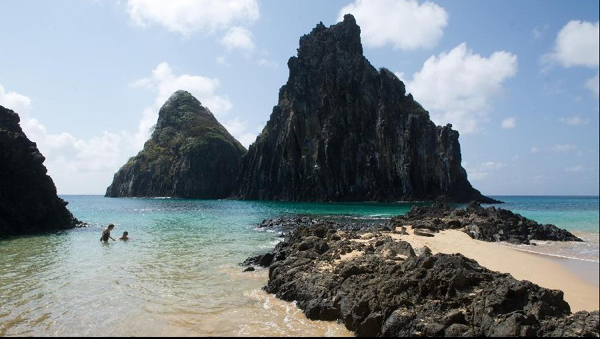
[28, 200]
[189, 155]
[378, 280]
[344, 131]
[487, 224]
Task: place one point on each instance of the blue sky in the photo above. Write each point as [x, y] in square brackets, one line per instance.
[518, 79]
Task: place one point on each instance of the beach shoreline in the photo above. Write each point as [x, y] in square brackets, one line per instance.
[395, 280]
[578, 279]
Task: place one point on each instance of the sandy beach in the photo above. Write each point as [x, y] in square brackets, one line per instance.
[575, 278]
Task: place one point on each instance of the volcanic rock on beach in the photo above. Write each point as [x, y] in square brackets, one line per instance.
[488, 224]
[344, 131]
[28, 200]
[379, 286]
[190, 155]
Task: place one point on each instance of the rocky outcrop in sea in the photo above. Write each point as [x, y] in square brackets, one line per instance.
[380, 286]
[28, 200]
[345, 131]
[189, 155]
[488, 224]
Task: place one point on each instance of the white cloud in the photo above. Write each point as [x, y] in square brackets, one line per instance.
[539, 31]
[86, 166]
[577, 44]
[15, 101]
[574, 121]
[534, 150]
[564, 148]
[459, 86]
[239, 129]
[75, 165]
[592, 84]
[404, 24]
[401, 76]
[509, 123]
[187, 16]
[482, 171]
[238, 38]
[268, 63]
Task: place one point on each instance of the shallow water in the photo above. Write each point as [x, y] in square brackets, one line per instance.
[579, 215]
[178, 275]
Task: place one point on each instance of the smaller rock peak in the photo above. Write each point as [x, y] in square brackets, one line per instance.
[342, 37]
[319, 28]
[180, 98]
[8, 117]
[180, 109]
[349, 19]
[181, 95]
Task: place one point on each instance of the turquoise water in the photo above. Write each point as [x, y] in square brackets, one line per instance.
[179, 275]
[578, 214]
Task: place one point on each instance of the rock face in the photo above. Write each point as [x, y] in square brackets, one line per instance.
[28, 200]
[190, 155]
[343, 131]
[378, 286]
[488, 224]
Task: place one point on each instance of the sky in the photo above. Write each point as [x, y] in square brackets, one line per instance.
[517, 79]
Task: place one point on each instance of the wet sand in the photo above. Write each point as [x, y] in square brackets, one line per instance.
[577, 279]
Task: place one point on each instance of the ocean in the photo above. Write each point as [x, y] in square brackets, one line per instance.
[179, 274]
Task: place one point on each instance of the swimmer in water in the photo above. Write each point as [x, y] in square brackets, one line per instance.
[125, 236]
[106, 233]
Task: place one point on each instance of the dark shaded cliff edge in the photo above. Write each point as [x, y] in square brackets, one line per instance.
[343, 131]
[189, 155]
[28, 200]
[377, 285]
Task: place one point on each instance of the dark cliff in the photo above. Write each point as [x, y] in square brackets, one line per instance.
[190, 155]
[28, 200]
[343, 131]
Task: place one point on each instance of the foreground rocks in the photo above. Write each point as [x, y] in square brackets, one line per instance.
[345, 131]
[190, 155]
[378, 286]
[488, 224]
[28, 200]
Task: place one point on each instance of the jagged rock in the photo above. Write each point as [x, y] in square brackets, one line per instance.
[190, 155]
[424, 233]
[288, 223]
[488, 224]
[28, 200]
[343, 131]
[396, 291]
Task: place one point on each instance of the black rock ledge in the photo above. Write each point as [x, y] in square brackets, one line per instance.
[28, 200]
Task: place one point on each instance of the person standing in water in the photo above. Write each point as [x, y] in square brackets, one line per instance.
[106, 233]
[125, 236]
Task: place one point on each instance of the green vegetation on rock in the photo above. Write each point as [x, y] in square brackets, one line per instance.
[189, 155]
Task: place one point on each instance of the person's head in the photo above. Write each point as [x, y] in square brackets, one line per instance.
[125, 234]
[111, 226]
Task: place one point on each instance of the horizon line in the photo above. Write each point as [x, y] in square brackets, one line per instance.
[491, 195]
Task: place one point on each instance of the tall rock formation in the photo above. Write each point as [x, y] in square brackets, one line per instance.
[190, 155]
[343, 131]
[28, 200]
